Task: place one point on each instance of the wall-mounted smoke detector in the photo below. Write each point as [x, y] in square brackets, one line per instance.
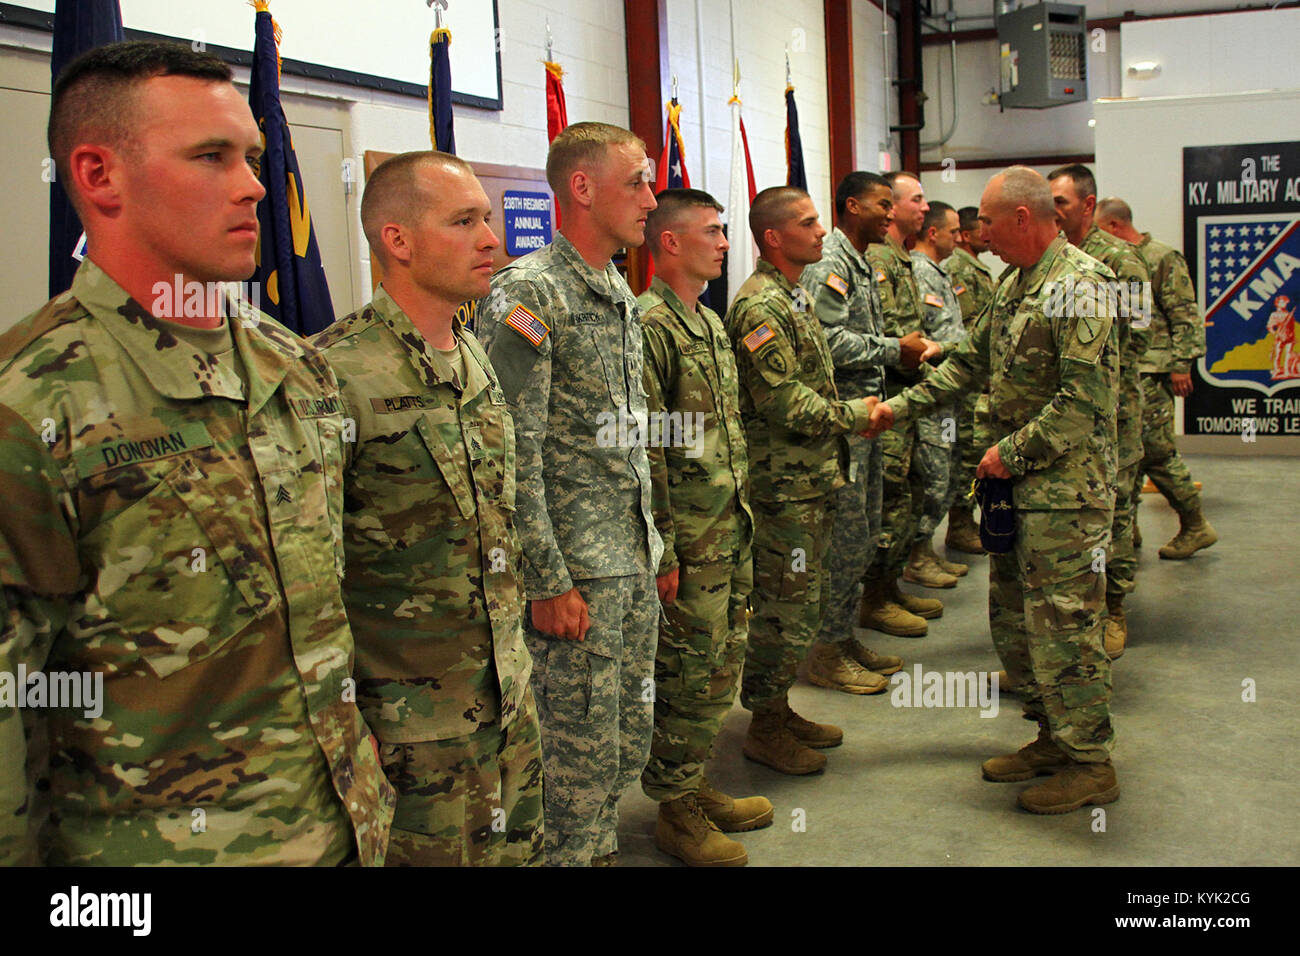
[1145, 70]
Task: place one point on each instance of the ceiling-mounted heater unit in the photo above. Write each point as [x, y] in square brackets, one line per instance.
[1043, 55]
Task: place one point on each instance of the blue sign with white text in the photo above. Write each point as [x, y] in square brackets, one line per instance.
[527, 221]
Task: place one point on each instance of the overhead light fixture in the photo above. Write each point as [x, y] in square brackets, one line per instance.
[1144, 70]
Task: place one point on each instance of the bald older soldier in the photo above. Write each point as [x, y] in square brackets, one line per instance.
[796, 424]
[1074, 191]
[433, 588]
[1053, 376]
[1177, 340]
[563, 331]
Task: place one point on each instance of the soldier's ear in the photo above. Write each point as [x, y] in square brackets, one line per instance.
[96, 172]
[396, 248]
[582, 186]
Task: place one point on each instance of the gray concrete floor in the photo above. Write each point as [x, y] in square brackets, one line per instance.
[1206, 778]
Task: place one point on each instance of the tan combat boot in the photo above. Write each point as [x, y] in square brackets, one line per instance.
[834, 666]
[882, 612]
[921, 569]
[810, 733]
[1039, 757]
[731, 815]
[769, 742]
[955, 568]
[684, 831]
[1073, 787]
[1194, 533]
[1005, 687]
[963, 532]
[1116, 635]
[880, 663]
[923, 607]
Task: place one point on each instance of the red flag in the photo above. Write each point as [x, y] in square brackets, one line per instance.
[557, 114]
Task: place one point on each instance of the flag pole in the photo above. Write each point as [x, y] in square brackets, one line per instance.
[699, 69]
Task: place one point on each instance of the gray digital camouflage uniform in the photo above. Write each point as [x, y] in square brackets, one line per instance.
[434, 594]
[1053, 380]
[565, 340]
[973, 285]
[172, 525]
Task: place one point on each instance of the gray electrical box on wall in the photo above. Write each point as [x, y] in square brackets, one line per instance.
[1043, 55]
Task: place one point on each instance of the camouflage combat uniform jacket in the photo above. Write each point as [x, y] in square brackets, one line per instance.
[1177, 329]
[701, 492]
[1053, 381]
[175, 527]
[1134, 334]
[940, 310]
[900, 300]
[847, 304]
[433, 589]
[972, 283]
[565, 340]
[793, 417]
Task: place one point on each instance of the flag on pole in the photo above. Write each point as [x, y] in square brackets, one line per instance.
[79, 25]
[795, 175]
[742, 255]
[289, 275]
[672, 161]
[557, 113]
[441, 131]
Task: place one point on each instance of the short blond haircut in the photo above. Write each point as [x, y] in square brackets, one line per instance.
[583, 146]
[393, 193]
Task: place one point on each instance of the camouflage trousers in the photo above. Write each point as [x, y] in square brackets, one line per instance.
[791, 585]
[853, 537]
[1121, 558]
[697, 670]
[1046, 599]
[902, 499]
[1160, 458]
[469, 801]
[936, 459]
[595, 698]
[975, 435]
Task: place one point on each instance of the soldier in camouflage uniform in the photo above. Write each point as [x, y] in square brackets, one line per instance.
[938, 453]
[1177, 340]
[847, 304]
[563, 332]
[700, 471]
[1053, 378]
[795, 422]
[973, 284]
[433, 588]
[1075, 193]
[173, 508]
[884, 606]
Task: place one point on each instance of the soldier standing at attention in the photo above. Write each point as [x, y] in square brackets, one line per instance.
[796, 426]
[172, 517]
[701, 503]
[847, 304]
[938, 450]
[973, 284]
[1177, 340]
[433, 589]
[1053, 377]
[1074, 192]
[563, 332]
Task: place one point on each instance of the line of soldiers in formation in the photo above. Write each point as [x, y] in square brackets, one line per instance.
[393, 596]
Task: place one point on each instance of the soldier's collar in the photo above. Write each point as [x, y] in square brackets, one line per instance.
[602, 282]
[430, 364]
[171, 365]
[691, 319]
[900, 250]
[842, 241]
[772, 272]
[917, 254]
[1031, 281]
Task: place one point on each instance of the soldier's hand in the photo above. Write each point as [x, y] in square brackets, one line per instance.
[911, 350]
[932, 350]
[563, 616]
[882, 419]
[1182, 383]
[991, 466]
[667, 585]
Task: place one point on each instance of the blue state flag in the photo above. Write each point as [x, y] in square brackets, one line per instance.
[442, 131]
[1250, 280]
[793, 144]
[79, 25]
[290, 277]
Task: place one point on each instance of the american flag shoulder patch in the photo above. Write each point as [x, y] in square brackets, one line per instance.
[528, 325]
[934, 299]
[880, 275]
[958, 289]
[754, 340]
[838, 284]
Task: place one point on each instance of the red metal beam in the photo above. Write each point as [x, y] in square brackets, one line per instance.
[839, 89]
[909, 84]
[645, 25]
